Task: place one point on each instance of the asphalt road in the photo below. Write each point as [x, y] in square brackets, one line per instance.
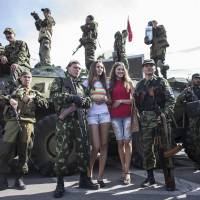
[41, 188]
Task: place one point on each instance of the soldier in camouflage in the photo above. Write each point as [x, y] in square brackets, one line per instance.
[19, 114]
[192, 137]
[45, 28]
[158, 47]
[153, 93]
[88, 39]
[68, 127]
[16, 56]
[120, 48]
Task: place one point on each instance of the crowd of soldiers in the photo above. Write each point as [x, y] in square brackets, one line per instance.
[153, 101]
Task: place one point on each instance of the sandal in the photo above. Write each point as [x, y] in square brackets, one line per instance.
[122, 177]
[127, 179]
[101, 183]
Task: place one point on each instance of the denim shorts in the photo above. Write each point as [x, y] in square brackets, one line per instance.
[98, 118]
[122, 128]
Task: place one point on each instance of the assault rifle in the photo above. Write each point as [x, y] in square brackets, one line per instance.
[161, 132]
[77, 48]
[68, 83]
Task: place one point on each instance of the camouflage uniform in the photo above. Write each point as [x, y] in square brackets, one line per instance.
[45, 28]
[68, 130]
[151, 94]
[158, 49]
[88, 40]
[192, 135]
[17, 52]
[19, 133]
[119, 49]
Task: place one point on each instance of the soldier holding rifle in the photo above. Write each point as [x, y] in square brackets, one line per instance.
[155, 101]
[70, 103]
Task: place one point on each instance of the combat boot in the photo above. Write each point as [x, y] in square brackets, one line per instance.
[86, 182]
[19, 183]
[60, 189]
[170, 181]
[150, 180]
[3, 182]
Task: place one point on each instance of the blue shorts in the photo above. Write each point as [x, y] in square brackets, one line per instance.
[98, 118]
[122, 128]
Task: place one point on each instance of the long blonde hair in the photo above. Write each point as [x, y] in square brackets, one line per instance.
[128, 84]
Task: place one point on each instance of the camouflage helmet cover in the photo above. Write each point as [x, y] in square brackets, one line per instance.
[148, 61]
[8, 30]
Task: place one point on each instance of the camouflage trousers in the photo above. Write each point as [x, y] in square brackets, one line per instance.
[16, 143]
[44, 52]
[159, 57]
[68, 134]
[89, 54]
[124, 60]
[149, 151]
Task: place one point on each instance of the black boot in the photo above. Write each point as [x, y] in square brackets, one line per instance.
[170, 181]
[19, 183]
[60, 189]
[86, 182]
[3, 182]
[150, 180]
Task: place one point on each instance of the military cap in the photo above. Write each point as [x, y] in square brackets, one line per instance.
[148, 61]
[24, 73]
[8, 30]
[196, 75]
[46, 10]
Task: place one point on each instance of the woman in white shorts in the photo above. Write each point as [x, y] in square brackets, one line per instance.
[98, 117]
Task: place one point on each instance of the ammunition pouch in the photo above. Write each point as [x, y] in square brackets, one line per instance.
[193, 109]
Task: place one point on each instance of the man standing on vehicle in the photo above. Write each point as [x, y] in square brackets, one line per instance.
[19, 114]
[45, 28]
[70, 103]
[158, 48]
[16, 56]
[88, 39]
[155, 102]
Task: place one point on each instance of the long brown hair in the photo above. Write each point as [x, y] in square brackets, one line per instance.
[128, 84]
[93, 75]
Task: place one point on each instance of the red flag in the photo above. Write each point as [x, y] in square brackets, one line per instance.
[130, 33]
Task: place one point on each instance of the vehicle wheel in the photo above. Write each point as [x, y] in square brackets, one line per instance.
[192, 148]
[43, 154]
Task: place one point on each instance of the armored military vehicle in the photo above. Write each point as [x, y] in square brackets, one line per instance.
[43, 153]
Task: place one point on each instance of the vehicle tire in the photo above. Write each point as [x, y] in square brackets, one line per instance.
[43, 154]
[192, 148]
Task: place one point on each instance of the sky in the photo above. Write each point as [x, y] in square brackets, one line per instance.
[180, 18]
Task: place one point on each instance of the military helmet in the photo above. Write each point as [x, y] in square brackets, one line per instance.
[46, 10]
[148, 61]
[8, 30]
[196, 75]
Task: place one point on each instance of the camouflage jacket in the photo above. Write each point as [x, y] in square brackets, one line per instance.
[153, 96]
[25, 110]
[61, 93]
[46, 28]
[90, 33]
[159, 41]
[17, 52]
